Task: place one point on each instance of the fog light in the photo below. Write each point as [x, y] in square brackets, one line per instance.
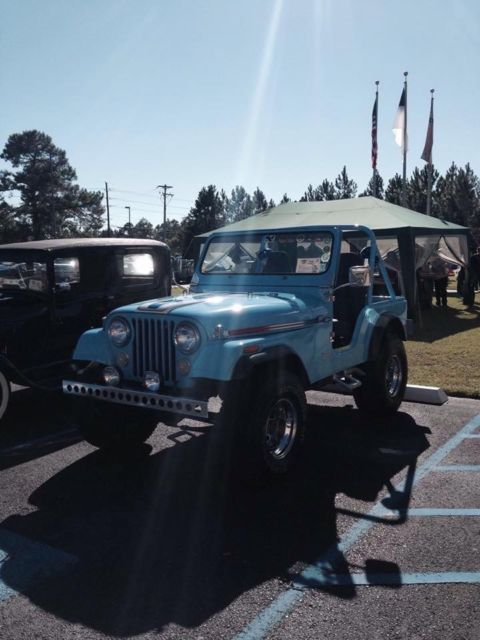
[122, 359]
[184, 366]
[111, 376]
[151, 381]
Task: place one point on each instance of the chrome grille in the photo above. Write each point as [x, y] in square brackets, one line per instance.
[153, 348]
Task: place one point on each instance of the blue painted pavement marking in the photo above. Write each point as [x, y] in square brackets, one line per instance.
[24, 563]
[472, 436]
[458, 467]
[272, 615]
[427, 512]
[391, 579]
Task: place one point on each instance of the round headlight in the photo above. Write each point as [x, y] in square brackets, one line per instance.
[187, 337]
[119, 332]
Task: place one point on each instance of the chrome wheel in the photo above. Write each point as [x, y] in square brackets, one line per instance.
[394, 375]
[281, 428]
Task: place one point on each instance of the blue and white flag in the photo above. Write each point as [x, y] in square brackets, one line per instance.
[399, 124]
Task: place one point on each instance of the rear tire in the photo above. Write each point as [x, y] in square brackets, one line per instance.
[113, 426]
[383, 386]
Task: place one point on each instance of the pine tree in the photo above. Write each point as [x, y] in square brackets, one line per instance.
[344, 187]
[259, 201]
[445, 196]
[326, 191]
[369, 191]
[310, 194]
[467, 196]
[418, 188]
[51, 203]
[239, 205]
[393, 192]
[207, 214]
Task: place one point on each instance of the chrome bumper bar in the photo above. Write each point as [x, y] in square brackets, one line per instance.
[145, 399]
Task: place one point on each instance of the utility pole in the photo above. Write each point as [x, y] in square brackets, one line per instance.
[129, 221]
[164, 188]
[108, 210]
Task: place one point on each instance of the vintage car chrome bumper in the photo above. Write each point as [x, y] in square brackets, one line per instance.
[132, 397]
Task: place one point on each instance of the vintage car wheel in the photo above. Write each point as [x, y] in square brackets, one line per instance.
[275, 429]
[4, 393]
[113, 426]
[383, 386]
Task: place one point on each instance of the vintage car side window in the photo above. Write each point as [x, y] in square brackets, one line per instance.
[137, 268]
[67, 271]
[26, 276]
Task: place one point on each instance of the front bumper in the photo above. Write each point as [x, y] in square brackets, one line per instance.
[134, 398]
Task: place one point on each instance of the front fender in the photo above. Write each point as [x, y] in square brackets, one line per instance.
[93, 346]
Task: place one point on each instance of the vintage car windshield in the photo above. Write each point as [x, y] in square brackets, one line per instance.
[23, 276]
[273, 254]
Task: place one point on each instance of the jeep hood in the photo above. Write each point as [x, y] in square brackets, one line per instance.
[235, 310]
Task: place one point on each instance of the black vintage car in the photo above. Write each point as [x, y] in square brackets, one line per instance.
[53, 290]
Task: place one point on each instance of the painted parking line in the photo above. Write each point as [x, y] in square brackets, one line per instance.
[458, 467]
[272, 615]
[426, 512]
[421, 512]
[395, 579]
[24, 563]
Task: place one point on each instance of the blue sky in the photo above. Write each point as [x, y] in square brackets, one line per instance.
[270, 93]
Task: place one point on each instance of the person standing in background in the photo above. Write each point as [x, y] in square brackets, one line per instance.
[440, 276]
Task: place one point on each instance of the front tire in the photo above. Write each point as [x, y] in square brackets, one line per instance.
[4, 394]
[383, 386]
[273, 430]
[113, 426]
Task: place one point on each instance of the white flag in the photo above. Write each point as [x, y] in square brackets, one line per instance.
[398, 128]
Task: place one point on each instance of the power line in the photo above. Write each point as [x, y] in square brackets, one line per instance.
[148, 204]
[123, 213]
[147, 195]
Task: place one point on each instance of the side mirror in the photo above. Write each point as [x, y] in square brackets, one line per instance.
[359, 276]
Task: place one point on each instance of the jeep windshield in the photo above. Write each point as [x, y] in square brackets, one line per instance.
[23, 276]
[273, 254]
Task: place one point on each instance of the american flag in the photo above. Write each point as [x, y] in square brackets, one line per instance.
[374, 133]
[427, 149]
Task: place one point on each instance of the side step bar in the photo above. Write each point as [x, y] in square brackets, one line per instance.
[346, 381]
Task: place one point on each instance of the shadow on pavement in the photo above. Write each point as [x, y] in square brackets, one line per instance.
[174, 537]
[34, 426]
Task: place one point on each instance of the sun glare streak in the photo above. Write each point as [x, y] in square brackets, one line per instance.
[251, 136]
[322, 18]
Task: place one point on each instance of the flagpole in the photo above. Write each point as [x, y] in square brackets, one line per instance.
[375, 172]
[430, 167]
[404, 184]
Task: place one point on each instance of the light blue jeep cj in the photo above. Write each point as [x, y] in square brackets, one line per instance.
[270, 314]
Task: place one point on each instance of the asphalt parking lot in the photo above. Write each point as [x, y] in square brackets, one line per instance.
[377, 535]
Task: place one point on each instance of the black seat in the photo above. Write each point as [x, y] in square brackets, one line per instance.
[349, 301]
[277, 262]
